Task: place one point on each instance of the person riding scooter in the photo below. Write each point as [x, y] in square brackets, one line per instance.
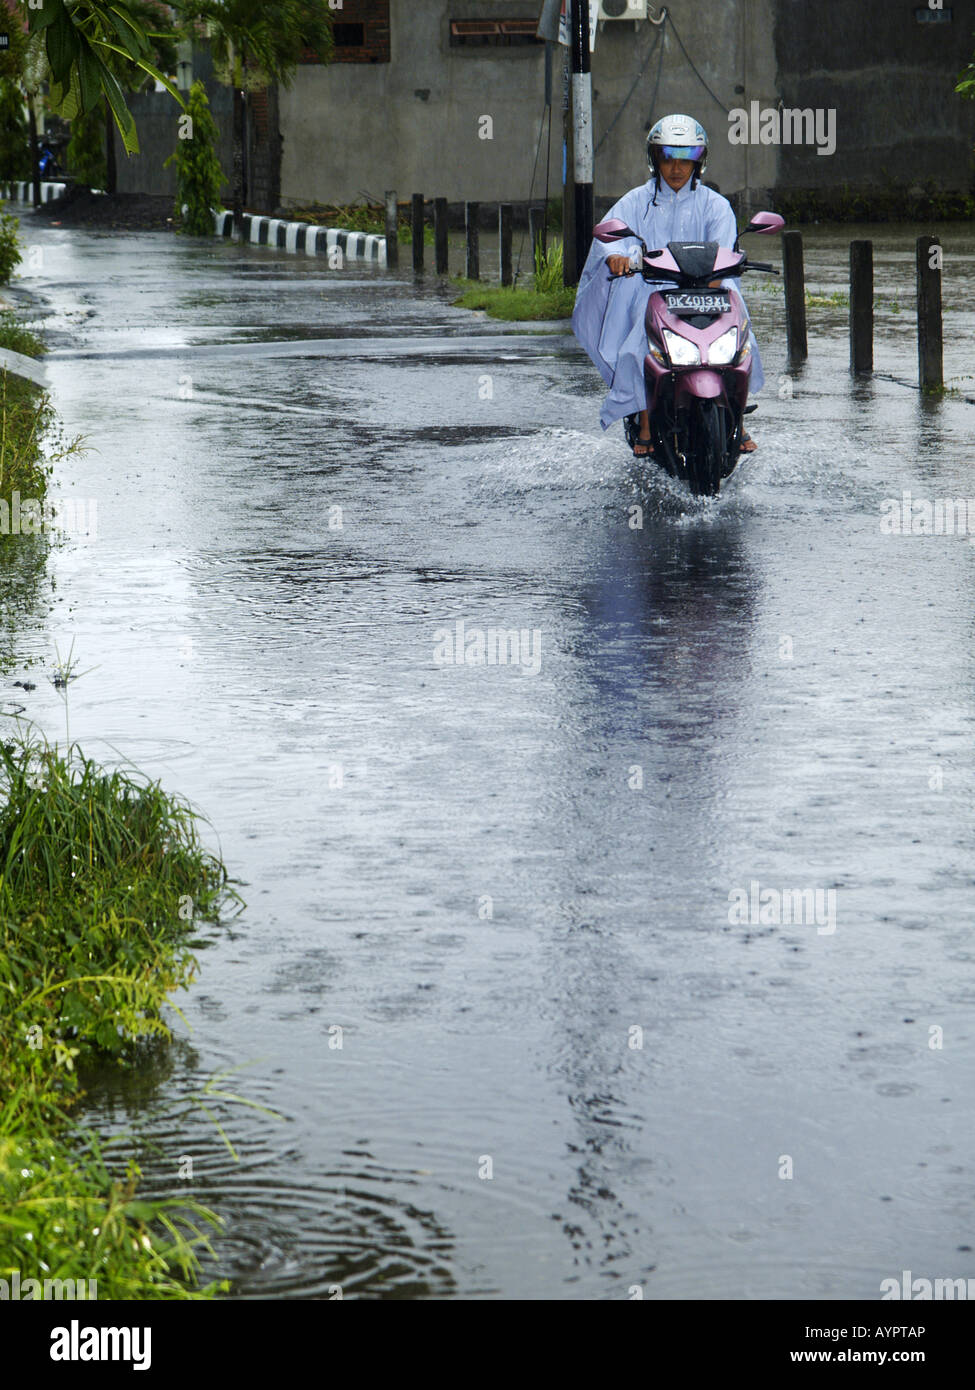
[609, 315]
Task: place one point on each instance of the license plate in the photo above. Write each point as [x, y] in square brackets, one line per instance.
[698, 301]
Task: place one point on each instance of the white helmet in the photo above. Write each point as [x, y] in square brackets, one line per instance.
[678, 137]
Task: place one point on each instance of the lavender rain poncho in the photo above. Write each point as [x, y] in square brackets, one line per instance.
[610, 315]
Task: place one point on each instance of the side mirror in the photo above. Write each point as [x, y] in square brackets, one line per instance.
[765, 222]
[612, 230]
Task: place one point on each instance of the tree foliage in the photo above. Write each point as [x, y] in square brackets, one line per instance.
[14, 134]
[263, 39]
[76, 39]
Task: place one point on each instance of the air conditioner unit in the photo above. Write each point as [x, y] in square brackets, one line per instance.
[621, 9]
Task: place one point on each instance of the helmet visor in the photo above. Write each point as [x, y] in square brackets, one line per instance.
[693, 152]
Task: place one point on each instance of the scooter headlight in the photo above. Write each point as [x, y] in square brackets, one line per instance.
[724, 349]
[682, 352]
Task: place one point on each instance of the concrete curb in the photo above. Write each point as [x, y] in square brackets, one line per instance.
[304, 238]
[296, 237]
[23, 192]
[20, 365]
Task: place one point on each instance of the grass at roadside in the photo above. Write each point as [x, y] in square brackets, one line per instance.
[25, 414]
[517, 305]
[103, 880]
[545, 298]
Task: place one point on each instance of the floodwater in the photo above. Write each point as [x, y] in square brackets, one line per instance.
[567, 1066]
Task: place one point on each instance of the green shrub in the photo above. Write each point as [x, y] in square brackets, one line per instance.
[199, 177]
[10, 244]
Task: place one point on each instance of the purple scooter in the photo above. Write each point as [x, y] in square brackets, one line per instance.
[699, 362]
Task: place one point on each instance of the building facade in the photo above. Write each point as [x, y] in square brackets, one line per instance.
[460, 99]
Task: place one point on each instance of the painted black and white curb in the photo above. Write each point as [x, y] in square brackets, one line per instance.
[299, 238]
[303, 237]
[24, 192]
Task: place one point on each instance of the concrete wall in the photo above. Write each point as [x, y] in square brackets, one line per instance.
[157, 121]
[413, 123]
[891, 82]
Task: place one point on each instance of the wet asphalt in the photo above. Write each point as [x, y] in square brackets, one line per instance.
[514, 974]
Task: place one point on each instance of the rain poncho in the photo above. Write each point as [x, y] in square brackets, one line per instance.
[610, 315]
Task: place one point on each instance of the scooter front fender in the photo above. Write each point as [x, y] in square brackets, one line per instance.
[704, 385]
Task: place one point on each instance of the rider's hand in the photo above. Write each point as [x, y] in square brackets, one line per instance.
[619, 265]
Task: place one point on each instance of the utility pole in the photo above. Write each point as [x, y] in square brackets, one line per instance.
[582, 132]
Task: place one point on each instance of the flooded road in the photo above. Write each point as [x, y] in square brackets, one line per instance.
[494, 975]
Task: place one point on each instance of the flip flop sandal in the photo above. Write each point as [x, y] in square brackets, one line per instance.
[746, 439]
[647, 445]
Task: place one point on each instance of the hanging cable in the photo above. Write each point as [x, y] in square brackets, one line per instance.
[531, 190]
[657, 37]
[700, 79]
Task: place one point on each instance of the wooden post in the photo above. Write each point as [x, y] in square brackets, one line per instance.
[440, 234]
[417, 231]
[861, 306]
[472, 267]
[504, 228]
[930, 352]
[795, 296]
[392, 229]
[536, 234]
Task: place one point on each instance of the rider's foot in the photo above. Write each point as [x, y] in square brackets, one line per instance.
[642, 448]
[748, 445]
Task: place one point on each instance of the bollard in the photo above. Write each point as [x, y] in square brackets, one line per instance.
[472, 264]
[392, 229]
[440, 234]
[930, 353]
[536, 235]
[504, 228]
[417, 231]
[861, 306]
[795, 296]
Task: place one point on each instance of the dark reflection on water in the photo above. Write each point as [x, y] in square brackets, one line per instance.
[24, 594]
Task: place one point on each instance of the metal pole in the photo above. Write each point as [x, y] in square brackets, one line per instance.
[582, 131]
[472, 268]
[861, 306]
[392, 229]
[795, 296]
[930, 352]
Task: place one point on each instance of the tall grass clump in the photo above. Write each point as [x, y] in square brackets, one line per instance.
[103, 882]
[548, 274]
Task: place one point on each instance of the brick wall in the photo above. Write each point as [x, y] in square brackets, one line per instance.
[361, 29]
